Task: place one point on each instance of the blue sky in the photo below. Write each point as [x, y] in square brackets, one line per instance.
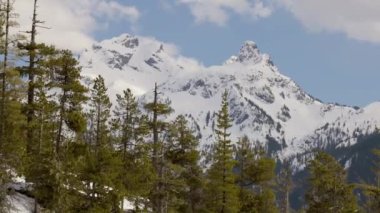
[328, 65]
[331, 48]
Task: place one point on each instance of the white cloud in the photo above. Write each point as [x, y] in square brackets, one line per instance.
[166, 5]
[358, 19]
[73, 22]
[218, 11]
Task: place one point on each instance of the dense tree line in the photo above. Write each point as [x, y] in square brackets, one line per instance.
[81, 154]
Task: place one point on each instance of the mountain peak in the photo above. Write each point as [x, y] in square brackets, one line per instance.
[265, 105]
[249, 53]
[250, 44]
[127, 40]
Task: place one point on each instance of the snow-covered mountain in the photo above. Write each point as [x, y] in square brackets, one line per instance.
[265, 105]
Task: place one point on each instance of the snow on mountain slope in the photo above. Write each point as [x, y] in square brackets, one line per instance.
[135, 63]
[265, 105]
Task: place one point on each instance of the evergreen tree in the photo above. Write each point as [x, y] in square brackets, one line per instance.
[6, 9]
[31, 51]
[64, 74]
[222, 193]
[329, 191]
[372, 192]
[101, 171]
[126, 122]
[100, 109]
[158, 128]
[129, 129]
[39, 111]
[39, 164]
[285, 185]
[185, 181]
[66, 77]
[256, 173]
[40, 167]
[11, 119]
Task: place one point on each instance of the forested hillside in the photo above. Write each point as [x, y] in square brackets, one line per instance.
[67, 146]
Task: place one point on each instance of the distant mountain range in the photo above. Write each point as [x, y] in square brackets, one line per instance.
[265, 105]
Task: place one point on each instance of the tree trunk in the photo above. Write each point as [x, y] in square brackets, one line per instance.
[62, 114]
[224, 171]
[98, 132]
[158, 200]
[4, 74]
[31, 86]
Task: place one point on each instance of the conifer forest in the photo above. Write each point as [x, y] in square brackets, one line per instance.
[67, 146]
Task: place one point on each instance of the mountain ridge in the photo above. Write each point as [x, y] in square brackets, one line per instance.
[264, 104]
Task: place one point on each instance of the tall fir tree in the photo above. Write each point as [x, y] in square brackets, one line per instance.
[185, 178]
[66, 77]
[11, 94]
[129, 131]
[126, 121]
[157, 110]
[6, 9]
[31, 51]
[68, 125]
[255, 177]
[372, 191]
[38, 164]
[222, 193]
[285, 186]
[328, 190]
[372, 194]
[101, 171]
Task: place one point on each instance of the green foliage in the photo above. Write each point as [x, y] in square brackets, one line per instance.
[285, 186]
[185, 181]
[372, 192]
[157, 128]
[221, 191]
[129, 129]
[256, 173]
[66, 77]
[12, 145]
[98, 115]
[103, 187]
[264, 201]
[329, 191]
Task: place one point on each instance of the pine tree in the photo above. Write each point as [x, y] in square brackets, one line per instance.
[101, 109]
[372, 192]
[31, 51]
[285, 185]
[5, 51]
[185, 181]
[256, 173]
[11, 119]
[129, 130]
[66, 77]
[126, 121]
[101, 171]
[222, 193]
[329, 191]
[38, 164]
[64, 71]
[40, 167]
[157, 128]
